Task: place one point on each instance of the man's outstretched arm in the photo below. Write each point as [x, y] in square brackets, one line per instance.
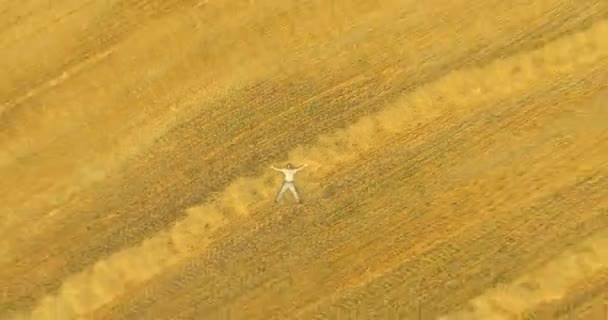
[301, 167]
[275, 168]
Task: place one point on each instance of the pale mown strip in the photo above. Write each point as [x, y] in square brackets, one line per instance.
[548, 283]
[111, 277]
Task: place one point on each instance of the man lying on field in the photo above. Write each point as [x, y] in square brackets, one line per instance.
[288, 183]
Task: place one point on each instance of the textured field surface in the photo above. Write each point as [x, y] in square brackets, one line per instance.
[457, 151]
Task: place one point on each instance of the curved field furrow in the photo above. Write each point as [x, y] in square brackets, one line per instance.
[85, 181]
[420, 107]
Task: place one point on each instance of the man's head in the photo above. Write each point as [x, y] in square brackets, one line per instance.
[289, 166]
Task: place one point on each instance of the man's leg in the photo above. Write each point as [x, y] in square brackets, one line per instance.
[294, 191]
[281, 192]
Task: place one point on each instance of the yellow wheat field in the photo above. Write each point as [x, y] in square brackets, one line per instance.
[457, 152]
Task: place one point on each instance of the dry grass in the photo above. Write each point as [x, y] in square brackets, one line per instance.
[456, 165]
[549, 283]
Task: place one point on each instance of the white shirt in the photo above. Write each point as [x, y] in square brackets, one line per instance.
[289, 174]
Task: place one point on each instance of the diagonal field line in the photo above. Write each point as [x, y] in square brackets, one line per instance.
[88, 290]
[548, 283]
